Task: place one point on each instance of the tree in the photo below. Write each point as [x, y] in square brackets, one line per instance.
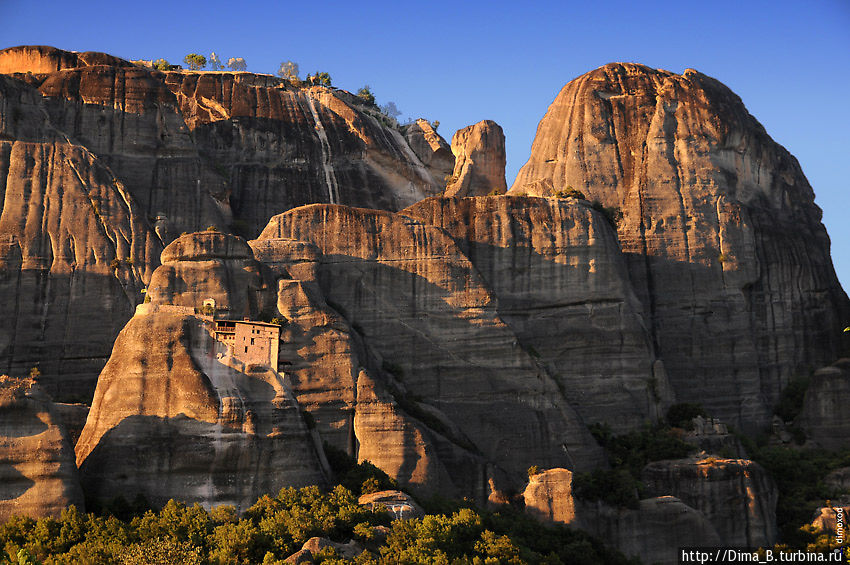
[366, 94]
[288, 70]
[319, 78]
[162, 65]
[195, 61]
[435, 124]
[237, 64]
[215, 62]
[391, 110]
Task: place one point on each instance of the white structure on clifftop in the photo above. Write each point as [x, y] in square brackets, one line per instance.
[252, 342]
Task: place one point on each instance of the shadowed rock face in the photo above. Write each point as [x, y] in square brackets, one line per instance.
[479, 152]
[825, 416]
[424, 311]
[175, 417]
[724, 240]
[563, 288]
[39, 477]
[736, 495]
[75, 250]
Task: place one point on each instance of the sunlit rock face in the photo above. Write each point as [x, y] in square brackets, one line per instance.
[175, 416]
[104, 162]
[563, 288]
[736, 495]
[421, 308]
[724, 242]
[431, 149]
[39, 477]
[479, 166]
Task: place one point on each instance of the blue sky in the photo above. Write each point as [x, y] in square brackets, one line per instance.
[461, 62]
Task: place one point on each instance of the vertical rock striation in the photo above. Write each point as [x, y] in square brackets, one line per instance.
[725, 244]
[479, 152]
[563, 288]
[425, 313]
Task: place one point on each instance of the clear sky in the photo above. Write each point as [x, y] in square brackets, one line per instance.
[465, 61]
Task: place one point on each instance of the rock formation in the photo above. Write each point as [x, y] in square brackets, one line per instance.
[563, 288]
[175, 414]
[96, 152]
[210, 265]
[549, 497]
[724, 240]
[479, 166]
[422, 310]
[431, 149]
[39, 477]
[654, 531]
[825, 416]
[736, 495]
[75, 250]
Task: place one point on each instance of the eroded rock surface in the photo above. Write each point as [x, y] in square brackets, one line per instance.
[549, 497]
[431, 149]
[825, 416]
[725, 243]
[39, 477]
[479, 166]
[736, 495]
[75, 250]
[174, 416]
[422, 309]
[563, 288]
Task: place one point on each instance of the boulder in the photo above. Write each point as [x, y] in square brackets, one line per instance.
[397, 504]
[479, 166]
[348, 550]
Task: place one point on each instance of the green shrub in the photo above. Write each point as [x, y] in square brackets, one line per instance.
[681, 415]
[791, 399]
[612, 213]
[570, 192]
[617, 487]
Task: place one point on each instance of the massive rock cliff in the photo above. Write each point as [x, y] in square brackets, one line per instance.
[75, 250]
[39, 477]
[479, 152]
[175, 416]
[426, 315]
[563, 288]
[724, 240]
[103, 162]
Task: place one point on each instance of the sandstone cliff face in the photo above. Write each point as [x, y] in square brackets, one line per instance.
[210, 265]
[39, 477]
[825, 416]
[479, 152]
[549, 497]
[42, 59]
[172, 152]
[175, 417]
[736, 495]
[75, 251]
[422, 309]
[726, 247]
[563, 288]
